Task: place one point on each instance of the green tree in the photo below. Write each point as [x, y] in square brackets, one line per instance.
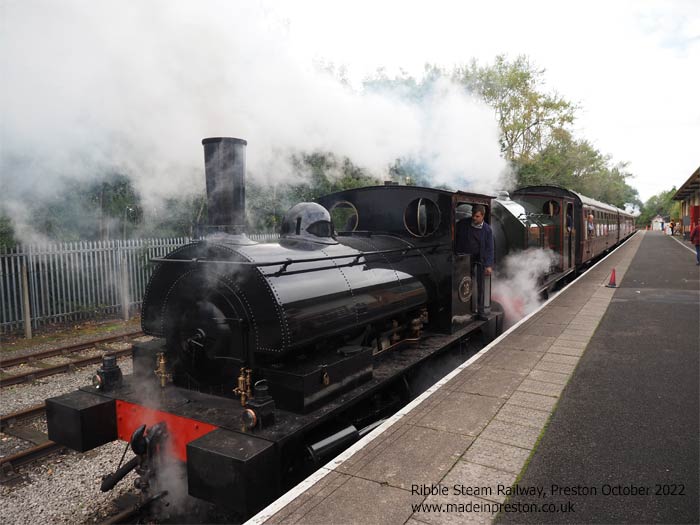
[536, 132]
[117, 205]
[659, 204]
[577, 165]
[106, 208]
[564, 162]
[529, 117]
[7, 232]
[179, 216]
[321, 173]
[325, 173]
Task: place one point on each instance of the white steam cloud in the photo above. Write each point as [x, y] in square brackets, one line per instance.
[134, 87]
[516, 286]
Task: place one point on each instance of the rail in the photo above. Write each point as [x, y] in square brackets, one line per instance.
[40, 370]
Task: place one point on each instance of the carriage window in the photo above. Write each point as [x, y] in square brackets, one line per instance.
[344, 216]
[422, 217]
[551, 207]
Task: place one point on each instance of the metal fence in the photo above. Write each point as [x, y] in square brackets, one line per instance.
[78, 280]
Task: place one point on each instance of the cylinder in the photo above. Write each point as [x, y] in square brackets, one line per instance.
[224, 164]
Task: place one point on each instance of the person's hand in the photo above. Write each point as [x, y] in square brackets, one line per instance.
[488, 270]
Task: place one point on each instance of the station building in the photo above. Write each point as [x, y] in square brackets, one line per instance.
[658, 222]
[689, 195]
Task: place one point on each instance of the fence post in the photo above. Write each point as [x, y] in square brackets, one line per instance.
[26, 310]
[124, 284]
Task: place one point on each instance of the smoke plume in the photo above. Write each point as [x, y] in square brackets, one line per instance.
[516, 286]
[90, 87]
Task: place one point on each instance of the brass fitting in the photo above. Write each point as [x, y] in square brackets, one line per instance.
[161, 371]
[424, 316]
[245, 385]
[416, 326]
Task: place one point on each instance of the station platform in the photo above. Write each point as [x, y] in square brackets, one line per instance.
[585, 412]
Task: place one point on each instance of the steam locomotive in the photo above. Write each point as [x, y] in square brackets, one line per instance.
[268, 359]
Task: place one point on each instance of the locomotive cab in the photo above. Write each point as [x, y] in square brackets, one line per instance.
[423, 220]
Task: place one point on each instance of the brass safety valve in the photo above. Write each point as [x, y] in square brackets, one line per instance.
[161, 371]
[244, 388]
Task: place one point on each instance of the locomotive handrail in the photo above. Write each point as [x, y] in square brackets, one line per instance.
[287, 262]
[280, 272]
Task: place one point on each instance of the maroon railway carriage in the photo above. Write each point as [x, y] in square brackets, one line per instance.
[575, 227]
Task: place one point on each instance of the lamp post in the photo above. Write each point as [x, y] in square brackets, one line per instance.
[127, 209]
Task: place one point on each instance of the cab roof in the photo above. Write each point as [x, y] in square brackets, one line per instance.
[397, 187]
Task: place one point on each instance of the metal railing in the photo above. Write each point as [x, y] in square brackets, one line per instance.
[70, 281]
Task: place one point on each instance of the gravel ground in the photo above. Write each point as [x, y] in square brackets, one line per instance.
[66, 489]
[11, 445]
[53, 361]
[20, 369]
[22, 396]
[90, 352]
[39, 424]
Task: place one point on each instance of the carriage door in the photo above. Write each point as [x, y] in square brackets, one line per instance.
[569, 233]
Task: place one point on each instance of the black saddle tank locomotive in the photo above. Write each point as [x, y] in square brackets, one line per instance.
[269, 358]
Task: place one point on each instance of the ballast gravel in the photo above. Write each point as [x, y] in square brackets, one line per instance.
[8, 352]
[63, 489]
[66, 489]
[18, 397]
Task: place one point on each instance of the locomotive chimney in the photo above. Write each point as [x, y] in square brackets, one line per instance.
[224, 165]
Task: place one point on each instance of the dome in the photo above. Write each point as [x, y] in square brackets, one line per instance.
[308, 221]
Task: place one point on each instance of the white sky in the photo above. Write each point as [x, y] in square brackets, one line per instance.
[632, 66]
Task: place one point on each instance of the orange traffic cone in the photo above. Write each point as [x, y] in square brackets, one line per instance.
[612, 284]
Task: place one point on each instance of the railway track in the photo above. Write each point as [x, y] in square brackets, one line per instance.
[10, 464]
[14, 424]
[9, 420]
[10, 424]
[39, 369]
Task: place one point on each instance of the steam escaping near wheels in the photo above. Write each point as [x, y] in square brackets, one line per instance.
[517, 285]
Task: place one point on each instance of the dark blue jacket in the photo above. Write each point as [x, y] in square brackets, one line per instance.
[465, 243]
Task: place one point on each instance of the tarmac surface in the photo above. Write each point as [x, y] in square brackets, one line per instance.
[598, 391]
[629, 417]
